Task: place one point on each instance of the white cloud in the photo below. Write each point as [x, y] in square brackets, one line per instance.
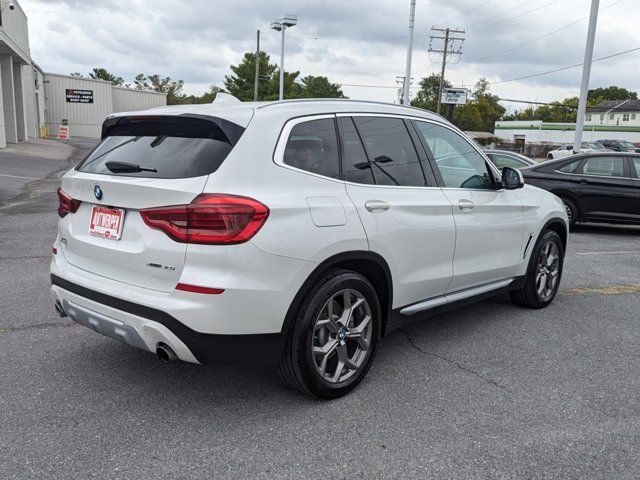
[356, 42]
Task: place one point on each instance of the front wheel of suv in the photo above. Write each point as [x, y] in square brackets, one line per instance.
[332, 341]
[543, 274]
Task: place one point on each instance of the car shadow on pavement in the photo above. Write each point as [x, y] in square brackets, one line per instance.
[129, 371]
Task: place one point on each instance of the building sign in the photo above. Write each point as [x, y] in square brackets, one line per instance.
[79, 96]
[455, 96]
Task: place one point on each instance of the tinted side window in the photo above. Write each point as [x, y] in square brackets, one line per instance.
[604, 166]
[502, 161]
[570, 167]
[459, 163]
[355, 165]
[391, 151]
[636, 162]
[313, 147]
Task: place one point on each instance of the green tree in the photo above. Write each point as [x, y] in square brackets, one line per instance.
[427, 96]
[102, 74]
[158, 83]
[77, 75]
[612, 92]
[206, 97]
[240, 83]
[468, 118]
[320, 87]
[487, 105]
[557, 112]
[140, 82]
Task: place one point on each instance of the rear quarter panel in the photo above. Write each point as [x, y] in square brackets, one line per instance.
[291, 195]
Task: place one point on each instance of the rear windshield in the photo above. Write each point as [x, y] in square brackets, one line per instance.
[175, 147]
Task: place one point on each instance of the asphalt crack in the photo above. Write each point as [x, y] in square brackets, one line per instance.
[455, 363]
[37, 326]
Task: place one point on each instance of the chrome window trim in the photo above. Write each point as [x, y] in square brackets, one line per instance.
[278, 155]
[281, 145]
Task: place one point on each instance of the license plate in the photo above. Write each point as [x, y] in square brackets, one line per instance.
[106, 222]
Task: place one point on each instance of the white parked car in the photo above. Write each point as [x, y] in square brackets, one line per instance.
[299, 231]
[567, 150]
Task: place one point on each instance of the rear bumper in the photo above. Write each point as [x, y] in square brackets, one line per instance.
[145, 327]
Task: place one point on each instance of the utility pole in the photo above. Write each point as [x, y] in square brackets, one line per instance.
[257, 79]
[446, 50]
[586, 73]
[400, 81]
[407, 76]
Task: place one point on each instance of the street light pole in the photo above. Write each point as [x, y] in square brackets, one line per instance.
[407, 75]
[281, 25]
[281, 94]
[586, 73]
[256, 80]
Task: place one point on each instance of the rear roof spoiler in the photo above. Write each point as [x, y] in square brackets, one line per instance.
[226, 130]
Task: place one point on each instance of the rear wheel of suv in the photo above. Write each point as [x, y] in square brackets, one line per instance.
[543, 274]
[331, 343]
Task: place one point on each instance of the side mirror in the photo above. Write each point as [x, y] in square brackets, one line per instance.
[512, 179]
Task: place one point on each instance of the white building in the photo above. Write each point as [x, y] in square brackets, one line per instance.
[33, 102]
[537, 131]
[625, 113]
[84, 103]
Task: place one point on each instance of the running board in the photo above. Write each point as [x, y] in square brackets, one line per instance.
[454, 297]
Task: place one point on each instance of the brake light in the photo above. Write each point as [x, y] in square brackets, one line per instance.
[211, 219]
[67, 204]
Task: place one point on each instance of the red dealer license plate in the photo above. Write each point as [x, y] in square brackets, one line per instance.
[106, 222]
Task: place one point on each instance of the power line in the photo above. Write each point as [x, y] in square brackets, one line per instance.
[501, 14]
[369, 86]
[539, 103]
[465, 13]
[544, 36]
[519, 15]
[565, 68]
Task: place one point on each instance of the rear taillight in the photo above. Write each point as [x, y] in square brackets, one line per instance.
[210, 219]
[67, 204]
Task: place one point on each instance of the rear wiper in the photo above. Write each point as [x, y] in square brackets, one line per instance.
[124, 167]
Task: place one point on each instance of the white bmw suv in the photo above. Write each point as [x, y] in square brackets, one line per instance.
[298, 231]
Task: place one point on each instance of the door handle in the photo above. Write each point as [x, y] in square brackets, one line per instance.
[466, 205]
[373, 205]
[584, 182]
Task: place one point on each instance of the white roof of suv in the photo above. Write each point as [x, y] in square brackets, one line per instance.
[242, 112]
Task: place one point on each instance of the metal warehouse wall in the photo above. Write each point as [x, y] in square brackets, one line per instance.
[129, 100]
[85, 119]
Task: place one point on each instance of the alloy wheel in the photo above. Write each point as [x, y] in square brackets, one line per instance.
[548, 270]
[342, 336]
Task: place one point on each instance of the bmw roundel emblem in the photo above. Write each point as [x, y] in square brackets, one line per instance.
[97, 191]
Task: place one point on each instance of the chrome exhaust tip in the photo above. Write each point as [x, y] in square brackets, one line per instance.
[165, 353]
[60, 310]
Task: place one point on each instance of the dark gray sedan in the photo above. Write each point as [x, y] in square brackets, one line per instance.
[505, 158]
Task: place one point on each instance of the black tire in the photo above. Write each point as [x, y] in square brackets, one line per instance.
[528, 295]
[297, 365]
[549, 157]
[572, 211]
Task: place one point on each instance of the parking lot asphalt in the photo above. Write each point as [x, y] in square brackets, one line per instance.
[488, 391]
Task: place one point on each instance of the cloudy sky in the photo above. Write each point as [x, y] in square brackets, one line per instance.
[354, 42]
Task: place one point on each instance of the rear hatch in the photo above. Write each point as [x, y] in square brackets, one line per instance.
[141, 163]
